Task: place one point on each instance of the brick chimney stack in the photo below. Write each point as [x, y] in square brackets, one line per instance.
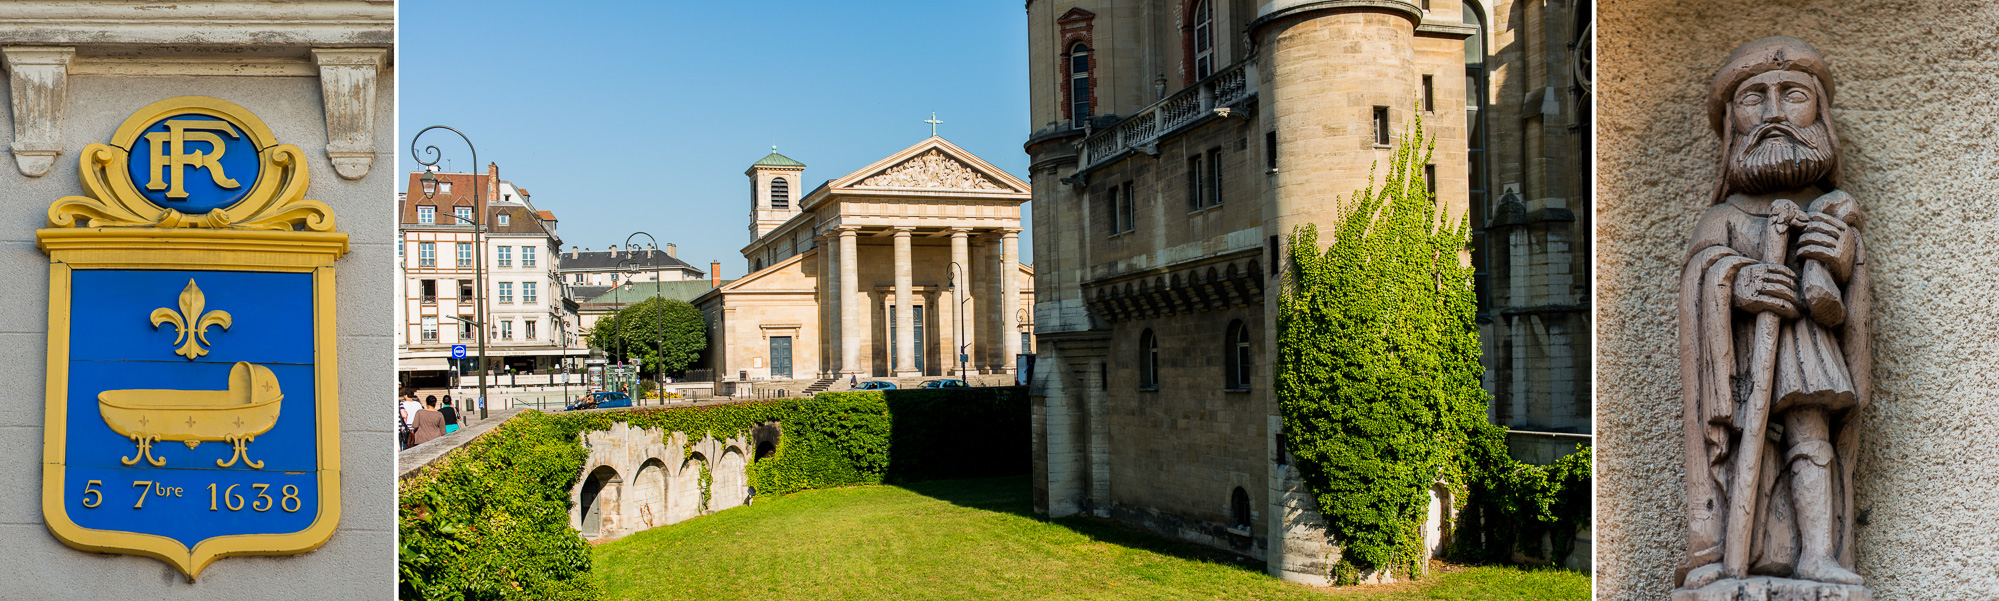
[715, 274]
[492, 183]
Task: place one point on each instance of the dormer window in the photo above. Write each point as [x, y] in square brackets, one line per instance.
[780, 194]
[1079, 83]
[443, 187]
[504, 219]
[426, 214]
[1204, 40]
[463, 214]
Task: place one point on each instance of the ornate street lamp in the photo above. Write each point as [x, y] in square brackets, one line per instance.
[429, 184]
[951, 285]
[660, 344]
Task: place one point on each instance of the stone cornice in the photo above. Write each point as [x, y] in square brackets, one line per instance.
[235, 23]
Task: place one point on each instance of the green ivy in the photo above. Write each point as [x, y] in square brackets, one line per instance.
[1513, 504]
[1377, 365]
[707, 486]
[491, 520]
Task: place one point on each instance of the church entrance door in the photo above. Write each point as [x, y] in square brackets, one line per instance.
[780, 357]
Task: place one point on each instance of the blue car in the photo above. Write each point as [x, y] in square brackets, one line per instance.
[876, 385]
[951, 383]
[602, 400]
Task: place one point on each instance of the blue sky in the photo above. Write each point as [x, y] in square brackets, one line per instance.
[642, 116]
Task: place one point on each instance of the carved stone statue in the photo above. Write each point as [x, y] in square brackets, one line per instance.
[1774, 353]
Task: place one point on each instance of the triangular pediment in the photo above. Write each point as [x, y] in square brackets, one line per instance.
[1075, 14]
[934, 165]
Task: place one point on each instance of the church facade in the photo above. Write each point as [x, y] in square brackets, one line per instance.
[895, 270]
[1180, 141]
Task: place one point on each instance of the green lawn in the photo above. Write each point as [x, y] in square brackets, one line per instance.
[973, 539]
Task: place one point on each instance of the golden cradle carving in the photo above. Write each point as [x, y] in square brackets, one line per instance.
[237, 415]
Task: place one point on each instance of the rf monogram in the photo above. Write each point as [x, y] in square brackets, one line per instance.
[170, 153]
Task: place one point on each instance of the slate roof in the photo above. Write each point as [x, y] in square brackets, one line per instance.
[640, 291]
[602, 260]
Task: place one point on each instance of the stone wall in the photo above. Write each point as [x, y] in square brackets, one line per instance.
[645, 478]
[1914, 110]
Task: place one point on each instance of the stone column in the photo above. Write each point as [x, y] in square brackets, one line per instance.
[1009, 317]
[829, 310]
[962, 336]
[990, 313]
[905, 305]
[849, 290]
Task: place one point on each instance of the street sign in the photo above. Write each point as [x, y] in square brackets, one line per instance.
[458, 351]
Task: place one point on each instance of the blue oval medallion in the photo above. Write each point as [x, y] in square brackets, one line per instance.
[193, 163]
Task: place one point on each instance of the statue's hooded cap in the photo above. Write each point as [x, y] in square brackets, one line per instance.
[1778, 53]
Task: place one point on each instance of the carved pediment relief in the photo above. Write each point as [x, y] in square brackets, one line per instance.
[932, 169]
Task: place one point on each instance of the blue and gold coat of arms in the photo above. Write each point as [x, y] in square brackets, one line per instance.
[192, 408]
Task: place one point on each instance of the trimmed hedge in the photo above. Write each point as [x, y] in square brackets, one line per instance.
[491, 521]
[959, 433]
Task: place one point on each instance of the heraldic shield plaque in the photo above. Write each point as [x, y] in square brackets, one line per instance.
[192, 408]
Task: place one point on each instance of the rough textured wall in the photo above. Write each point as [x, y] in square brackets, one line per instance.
[356, 562]
[1915, 110]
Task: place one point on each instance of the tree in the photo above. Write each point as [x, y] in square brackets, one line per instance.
[662, 334]
[1377, 371]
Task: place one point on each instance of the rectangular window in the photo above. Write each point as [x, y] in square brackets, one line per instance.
[527, 292]
[1214, 176]
[1270, 150]
[579, 279]
[1381, 125]
[527, 256]
[464, 254]
[506, 292]
[1195, 192]
[1429, 92]
[506, 255]
[429, 288]
[1129, 216]
[465, 331]
[465, 291]
[429, 327]
[1270, 249]
[507, 330]
[463, 215]
[426, 254]
[426, 214]
[443, 187]
[399, 247]
[1112, 213]
[527, 330]
[1430, 180]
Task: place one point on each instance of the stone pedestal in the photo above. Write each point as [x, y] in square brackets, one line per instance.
[1764, 588]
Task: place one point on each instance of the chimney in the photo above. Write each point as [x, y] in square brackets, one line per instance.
[614, 250]
[572, 251]
[649, 249]
[670, 248]
[492, 182]
[714, 274]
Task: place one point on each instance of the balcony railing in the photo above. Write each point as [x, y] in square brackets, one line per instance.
[1227, 88]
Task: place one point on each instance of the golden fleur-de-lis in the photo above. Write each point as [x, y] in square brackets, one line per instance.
[190, 322]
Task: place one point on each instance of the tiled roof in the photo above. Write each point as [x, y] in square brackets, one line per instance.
[546, 215]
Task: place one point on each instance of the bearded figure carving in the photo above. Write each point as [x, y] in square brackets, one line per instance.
[1774, 355]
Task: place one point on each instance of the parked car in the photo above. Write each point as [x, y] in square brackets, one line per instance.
[947, 383]
[602, 400]
[875, 385]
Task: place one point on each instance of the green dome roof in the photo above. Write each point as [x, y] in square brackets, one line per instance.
[776, 160]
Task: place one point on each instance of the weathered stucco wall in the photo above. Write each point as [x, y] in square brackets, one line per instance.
[1916, 114]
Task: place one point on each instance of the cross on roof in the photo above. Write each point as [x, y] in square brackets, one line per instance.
[933, 124]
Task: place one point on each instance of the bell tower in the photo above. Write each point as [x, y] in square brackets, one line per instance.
[776, 186]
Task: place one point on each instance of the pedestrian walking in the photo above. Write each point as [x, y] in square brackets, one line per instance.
[429, 422]
[450, 415]
[402, 426]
